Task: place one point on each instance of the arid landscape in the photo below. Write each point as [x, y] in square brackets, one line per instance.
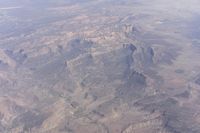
[99, 66]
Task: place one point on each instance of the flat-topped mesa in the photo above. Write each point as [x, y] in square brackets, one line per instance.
[150, 51]
[5, 59]
[197, 81]
[130, 28]
[130, 46]
[80, 44]
[77, 47]
[19, 56]
[148, 54]
[145, 57]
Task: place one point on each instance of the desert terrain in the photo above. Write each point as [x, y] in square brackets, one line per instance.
[99, 66]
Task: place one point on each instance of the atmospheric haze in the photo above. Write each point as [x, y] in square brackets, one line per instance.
[99, 66]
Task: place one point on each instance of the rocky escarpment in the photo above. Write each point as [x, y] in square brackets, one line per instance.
[91, 83]
[98, 67]
[197, 81]
[96, 86]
